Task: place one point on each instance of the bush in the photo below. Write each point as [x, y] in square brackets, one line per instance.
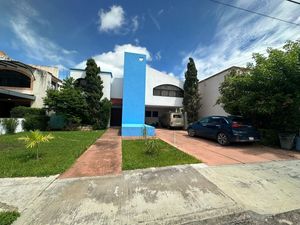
[151, 146]
[7, 218]
[10, 125]
[35, 122]
[269, 137]
[57, 122]
[105, 108]
[22, 111]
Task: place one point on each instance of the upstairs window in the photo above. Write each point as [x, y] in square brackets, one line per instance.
[11, 78]
[168, 91]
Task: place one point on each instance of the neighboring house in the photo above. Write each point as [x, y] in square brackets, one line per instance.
[209, 91]
[24, 85]
[163, 93]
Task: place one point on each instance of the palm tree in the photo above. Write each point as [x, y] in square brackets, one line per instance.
[34, 139]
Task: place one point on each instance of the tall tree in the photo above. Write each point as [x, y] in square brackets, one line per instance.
[269, 94]
[92, 87]
[191, 99]
[67, 101]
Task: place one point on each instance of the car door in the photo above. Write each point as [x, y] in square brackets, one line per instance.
[201, 127]
[212, 127]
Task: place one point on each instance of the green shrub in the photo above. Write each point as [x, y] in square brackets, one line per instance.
[105, 108]
[57, 122]
[7, 218]
[22, 111]
[269, 137]
[151, 147]
[10, 125]
[35, 122]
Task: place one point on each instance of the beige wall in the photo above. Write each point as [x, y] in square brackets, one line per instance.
[50, 69]
[209, 91]
[41, 83]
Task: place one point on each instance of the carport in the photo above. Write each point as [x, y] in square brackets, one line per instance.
[212, 153]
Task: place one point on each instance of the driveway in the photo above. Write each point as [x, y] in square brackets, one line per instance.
[212, 153]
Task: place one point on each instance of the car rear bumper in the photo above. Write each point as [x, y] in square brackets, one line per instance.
[237, 138]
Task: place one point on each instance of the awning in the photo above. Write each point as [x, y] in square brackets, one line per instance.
[17, 94]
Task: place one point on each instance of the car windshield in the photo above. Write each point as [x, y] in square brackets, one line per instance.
[177, 116]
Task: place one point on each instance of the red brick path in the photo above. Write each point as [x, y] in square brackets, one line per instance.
[212, 153]
[104, 157]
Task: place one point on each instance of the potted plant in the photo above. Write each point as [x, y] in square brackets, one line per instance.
[298, 141]
[287, 140]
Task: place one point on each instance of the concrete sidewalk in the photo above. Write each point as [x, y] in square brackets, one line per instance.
[169, 195]
[104, 157]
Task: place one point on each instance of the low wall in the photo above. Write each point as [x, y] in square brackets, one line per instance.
[18, 129]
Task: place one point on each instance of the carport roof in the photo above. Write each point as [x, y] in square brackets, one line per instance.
[16, 94]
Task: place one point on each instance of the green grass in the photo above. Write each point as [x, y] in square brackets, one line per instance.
[55, 156]
[7, 218]
[134, 157]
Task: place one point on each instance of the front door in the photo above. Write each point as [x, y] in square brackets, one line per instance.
[116, 117]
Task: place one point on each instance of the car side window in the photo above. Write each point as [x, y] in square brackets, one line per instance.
[204, 121]
[214, 121]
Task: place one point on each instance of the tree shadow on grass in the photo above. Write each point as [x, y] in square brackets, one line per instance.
[27, 157]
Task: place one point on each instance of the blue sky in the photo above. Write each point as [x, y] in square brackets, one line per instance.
[66, 33]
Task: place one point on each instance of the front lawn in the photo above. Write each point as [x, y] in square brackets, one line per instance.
[7, 218]
[134, 157]
[55, 156]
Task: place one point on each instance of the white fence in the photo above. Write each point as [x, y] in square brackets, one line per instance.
[18, 129]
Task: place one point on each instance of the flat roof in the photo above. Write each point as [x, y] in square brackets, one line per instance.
[230, 68]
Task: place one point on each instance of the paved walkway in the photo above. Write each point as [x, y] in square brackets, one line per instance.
[104, 157]
[168, 195]
[212, 153]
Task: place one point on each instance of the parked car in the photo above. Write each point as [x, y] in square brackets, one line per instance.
[172, 120]
[224, 129]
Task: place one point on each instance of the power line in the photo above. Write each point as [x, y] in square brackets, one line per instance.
[257, 13]
[294, 2]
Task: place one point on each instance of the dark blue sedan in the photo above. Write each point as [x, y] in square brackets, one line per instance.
[224, 129]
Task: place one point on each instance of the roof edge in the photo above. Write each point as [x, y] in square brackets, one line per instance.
[216, 74]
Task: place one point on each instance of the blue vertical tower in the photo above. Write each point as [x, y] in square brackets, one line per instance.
[134, 84]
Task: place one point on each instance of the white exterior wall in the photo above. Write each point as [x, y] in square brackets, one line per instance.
[209, 91]
[117, 88]
[105, 77]
[155, 78]
[18, 129]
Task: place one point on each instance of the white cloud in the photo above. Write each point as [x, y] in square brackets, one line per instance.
[113, 61]
[114, 20]
[158, 55]
[239, 34]
[111, 20]
[35, 45]
[135, 23]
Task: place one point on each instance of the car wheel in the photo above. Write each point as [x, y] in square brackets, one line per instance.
[222, 139]
[191, 132]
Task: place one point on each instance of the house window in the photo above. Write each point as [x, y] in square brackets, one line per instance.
[148, 114]
[11, 78]
[168, 91]
[154, 114]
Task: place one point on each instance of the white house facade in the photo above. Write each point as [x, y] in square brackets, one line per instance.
[209, 92]
[163, 93]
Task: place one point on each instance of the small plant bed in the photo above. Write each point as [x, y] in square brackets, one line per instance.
[7, 218]
[136, 156]
[55, 156]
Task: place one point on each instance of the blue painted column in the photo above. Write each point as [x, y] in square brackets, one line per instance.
[134, 83]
